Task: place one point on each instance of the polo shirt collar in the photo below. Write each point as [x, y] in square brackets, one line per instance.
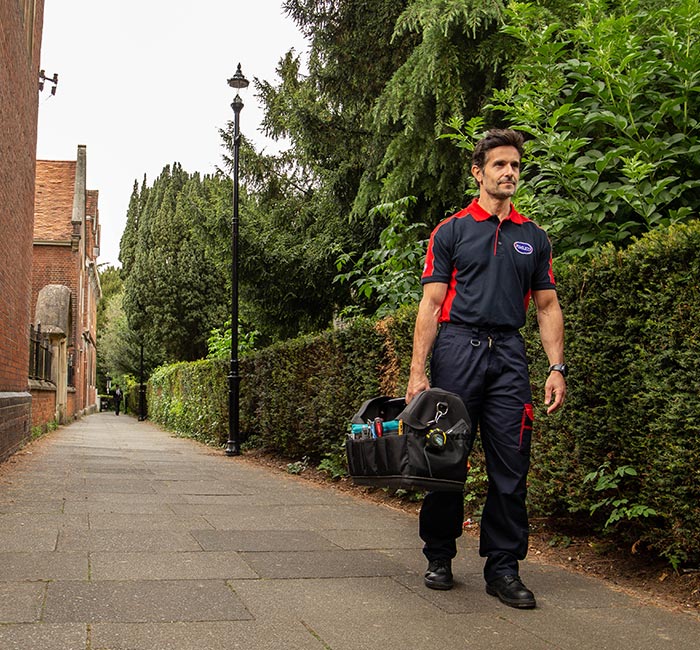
[479, 214]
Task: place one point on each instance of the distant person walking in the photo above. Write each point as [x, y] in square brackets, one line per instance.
[117, 399]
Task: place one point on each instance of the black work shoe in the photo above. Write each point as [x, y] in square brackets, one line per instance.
[510, 590]
[439, 575]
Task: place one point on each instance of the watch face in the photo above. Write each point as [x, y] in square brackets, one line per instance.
[559, 367]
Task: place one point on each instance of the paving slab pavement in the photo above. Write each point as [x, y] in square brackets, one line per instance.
[115, 535]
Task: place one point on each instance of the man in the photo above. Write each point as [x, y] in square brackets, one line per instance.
[483, 265]
[118, 395]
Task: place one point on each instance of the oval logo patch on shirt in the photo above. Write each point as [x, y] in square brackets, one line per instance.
[523, 247]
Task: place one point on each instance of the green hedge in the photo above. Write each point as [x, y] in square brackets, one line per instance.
[298, 393]
[131, 398]
[633, 333]
[191, 399]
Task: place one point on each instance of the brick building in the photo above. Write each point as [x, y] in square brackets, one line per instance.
[20, 44]
[66, 287]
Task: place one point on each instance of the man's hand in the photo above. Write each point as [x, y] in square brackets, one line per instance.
[416, 385]
[554, 389]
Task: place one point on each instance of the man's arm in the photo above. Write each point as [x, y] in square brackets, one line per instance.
[424, 336]
[551, 323]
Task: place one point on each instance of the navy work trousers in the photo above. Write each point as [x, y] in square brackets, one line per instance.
[488, 370]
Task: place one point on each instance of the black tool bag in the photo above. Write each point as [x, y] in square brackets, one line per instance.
[424, 445]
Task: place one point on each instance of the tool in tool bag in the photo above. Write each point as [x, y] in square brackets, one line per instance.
[436, 438]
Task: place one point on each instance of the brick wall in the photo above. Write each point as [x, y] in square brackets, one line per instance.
[55, 264]
[66, 236]
[20, 42]
[43, 403]
[15, 417]
[58, 264]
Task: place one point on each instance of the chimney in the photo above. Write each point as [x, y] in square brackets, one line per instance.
[78, 219]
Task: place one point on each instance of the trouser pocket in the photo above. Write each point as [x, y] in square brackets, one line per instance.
[526, 422]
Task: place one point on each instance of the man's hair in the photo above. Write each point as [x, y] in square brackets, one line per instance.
[496, 138]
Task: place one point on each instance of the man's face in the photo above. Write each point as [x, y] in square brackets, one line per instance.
[500, 174]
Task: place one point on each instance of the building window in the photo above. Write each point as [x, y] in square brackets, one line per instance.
[40, 355]
[71, 370]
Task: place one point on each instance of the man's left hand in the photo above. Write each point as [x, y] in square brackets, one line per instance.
[554, 391]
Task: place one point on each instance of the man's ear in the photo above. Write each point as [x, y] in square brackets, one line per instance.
[476, 173]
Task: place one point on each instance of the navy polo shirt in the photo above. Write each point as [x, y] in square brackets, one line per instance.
[490, 267]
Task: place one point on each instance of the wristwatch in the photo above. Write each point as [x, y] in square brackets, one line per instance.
[559, 367]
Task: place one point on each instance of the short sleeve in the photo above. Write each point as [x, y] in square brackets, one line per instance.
[543, 278]
[439, 259]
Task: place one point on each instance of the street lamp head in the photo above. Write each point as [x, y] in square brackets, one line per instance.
[238, 81]
[237, 104]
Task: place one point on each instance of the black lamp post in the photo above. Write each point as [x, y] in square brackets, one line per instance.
[233, 446]
[142, 390]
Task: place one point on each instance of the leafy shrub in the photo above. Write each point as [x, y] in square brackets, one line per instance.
[633, 335]
[610, 109]
[389, 276]
[191, 399]
[607, 481]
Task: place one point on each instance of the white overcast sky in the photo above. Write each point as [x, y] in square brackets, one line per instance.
[142, 83]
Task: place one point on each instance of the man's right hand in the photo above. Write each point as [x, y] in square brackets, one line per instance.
[416, 385]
